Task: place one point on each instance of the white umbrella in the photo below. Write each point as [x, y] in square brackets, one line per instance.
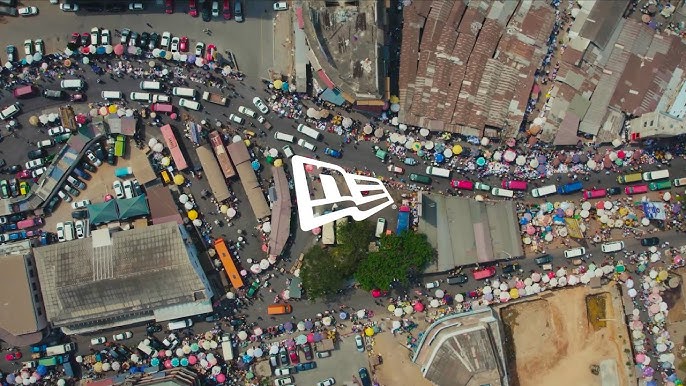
[188, 205]
[242, 335]
[264, 264]
[255, 268]
[267, 227]
[521, 160]
[424, 132]
[183, 198]
[152, 141]
[197, 222]
[440, 293]
[398, 312]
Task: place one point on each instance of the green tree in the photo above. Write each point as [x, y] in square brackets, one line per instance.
[398, 257]
[353, 240]
[319, 273]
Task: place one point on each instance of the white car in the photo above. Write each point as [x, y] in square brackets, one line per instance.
[55, 131]
[282, 371]
[69, 7]
[28, 11]
[280, 6]
[34, 164]
[80, 229]
[122, 336]
[307, 145]
[39, 46]
[261, 119]
[175, 44]
[105, 37]
[118, 189]
[60, 232]
[246, 111]
[64, 196]
[38, 172]
[136, 7]
[236, 119]
[28, 47]
[283, 381]
[68, 230]
[327, 382]
[45, 143]
[359, 342]
[215, 9]
[199, 49]
[128, 189]
[260, 105]
[99, 340]
[95, 36]
[161, 98]
[164, 43]
[80, 204]
[93, 159]
[432, 284]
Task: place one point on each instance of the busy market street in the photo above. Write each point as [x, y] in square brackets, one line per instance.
[584, 214]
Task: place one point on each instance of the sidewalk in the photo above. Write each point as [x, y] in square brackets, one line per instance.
[283, 44]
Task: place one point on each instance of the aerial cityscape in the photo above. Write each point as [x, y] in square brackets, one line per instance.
[343, 192]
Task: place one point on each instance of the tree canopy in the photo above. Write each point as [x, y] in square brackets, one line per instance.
[319, 273]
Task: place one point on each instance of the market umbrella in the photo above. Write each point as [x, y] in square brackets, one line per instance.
[301, 326]
[179, 179]
[481, 161]
[301, 339]
[119, 49]
[378, 133]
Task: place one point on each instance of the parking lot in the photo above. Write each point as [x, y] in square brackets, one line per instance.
[342, 365]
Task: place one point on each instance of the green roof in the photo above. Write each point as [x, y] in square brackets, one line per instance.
[103, 212]
[133, 207]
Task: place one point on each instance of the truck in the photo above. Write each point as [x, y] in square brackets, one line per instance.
[53, 360]
[211, 97]
[227, 349]
[120, 146]
[30, 223]
[59, 349]
[439, 172]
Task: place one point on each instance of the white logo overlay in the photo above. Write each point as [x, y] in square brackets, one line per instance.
[336, 204]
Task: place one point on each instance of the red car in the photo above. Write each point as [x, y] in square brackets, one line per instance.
[293, 355]
[636, 189]
[183, 44]
[462, 184]
[484, 273]
[168, 6]
[227, 10]
[514, 184]
[597, 193]
[192, 8]
[75, 38]
[209, 52]
[24, 175]
[13, 356]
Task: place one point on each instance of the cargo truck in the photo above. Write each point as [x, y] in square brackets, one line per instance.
[59, 349]
[211, 97]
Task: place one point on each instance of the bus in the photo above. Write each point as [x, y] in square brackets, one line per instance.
[227, 261]
[222, 155]
[120, 146]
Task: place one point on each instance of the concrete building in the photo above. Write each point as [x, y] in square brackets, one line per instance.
[463, 350]
[468, 232]
[668, 118]
[22, 314]
[117, 278]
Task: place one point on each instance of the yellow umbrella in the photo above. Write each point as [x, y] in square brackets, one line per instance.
[179, 180]
[112, 109]
[166, 161]
[192, 214]
[457, 149]
[247, 142]
[278, 84]
[278, 162]
[33, 120]
[223, 208]
[369, 331]
[391, 307]
[416, 146]
[662, 276]
[514, 293]
[394, 99]
[97, 367]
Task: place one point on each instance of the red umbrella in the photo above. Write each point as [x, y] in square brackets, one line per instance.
[419, 307]
[265, 247]
[316, 230]
[81, 119]
[119, 49]
[85, 50]
[621, 154]
[376, 293]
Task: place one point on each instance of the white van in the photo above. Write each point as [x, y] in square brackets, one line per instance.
[140, 96]
[184, 92]
[227, 348]
[438, 172]
[288, 151]
[575, 252]
[502, 192]
[161, 98]
[656, 175]
[111, 95]
[150, 85]
[310, 132]
[75, 84]
[544, 191]
[679, 181]
[284, 137]
[189, 104]
[10, 111]
[307, 145]
[613, 246]
[68, 230]
[179, 324]
[380, 227]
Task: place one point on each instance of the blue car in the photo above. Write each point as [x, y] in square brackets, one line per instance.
[364, 377]
[306, 366]
[333, 153]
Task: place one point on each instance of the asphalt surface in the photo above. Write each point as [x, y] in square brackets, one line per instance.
[252, 86]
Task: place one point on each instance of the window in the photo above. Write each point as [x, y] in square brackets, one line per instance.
[34, 286]
[31, 273]
[36, 298]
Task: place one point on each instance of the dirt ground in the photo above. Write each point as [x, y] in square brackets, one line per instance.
[676, 322]
[555, 344]
[397, 368]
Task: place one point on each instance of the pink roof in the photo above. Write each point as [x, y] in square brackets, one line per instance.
[174, 149]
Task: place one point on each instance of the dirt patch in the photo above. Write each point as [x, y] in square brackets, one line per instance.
[397, 368]
[552, 341]
[595, 308]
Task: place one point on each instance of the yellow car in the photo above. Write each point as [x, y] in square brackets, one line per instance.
[24, 188]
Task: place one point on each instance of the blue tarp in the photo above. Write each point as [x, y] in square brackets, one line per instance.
[403, 222]
[333, 96]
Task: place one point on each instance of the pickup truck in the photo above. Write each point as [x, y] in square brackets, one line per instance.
[59, 349]
[214, 98]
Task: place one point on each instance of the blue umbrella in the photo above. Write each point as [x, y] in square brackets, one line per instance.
[155, 361]
[523, 221]
[100, 50]
[343, 315]
[184, 362]
[256, 165]
[163, 53]
[247, 358]
[284, 86]
[191, 59]
[175, 362]
[42, 370]
[481, 161]
[439, 157]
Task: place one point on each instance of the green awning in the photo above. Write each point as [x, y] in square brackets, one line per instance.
[133, 207]
[103, 212]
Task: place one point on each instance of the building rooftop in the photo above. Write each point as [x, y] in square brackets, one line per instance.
[17, 313]
[117, 275]
[466, 232]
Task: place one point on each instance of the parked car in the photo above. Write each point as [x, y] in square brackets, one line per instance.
[28, 47]
[39, 46]
[69, 7]
[93, 159]
[359, 342]
[364, 377]
[432, 284]
[28, 11]
[260, 105]
[199, 49]
[55, 131]
[183, 44]
[306, 366]
[168, 6]
[226, 10]
[543, 259]
[11, 53]
[125, 35]
[293, 355]
[36, 153]
[333, 153]
[118, 189]
[327, 381]
[80, 204]
[122, 336]
[105, 37]
[60, 232]
[192, 8]
[175, 44]
[307, 350]
[650, 241]
[166, 39]
[99, 340]
[283, 356]
[13, 356]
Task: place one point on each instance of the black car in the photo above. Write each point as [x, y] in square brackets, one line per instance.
[137, 188]
[14, 187]
[650, 241]
[116, 8]
[145, 39]
[11, 53]
[206, 11]
[614, 191]
[17, 217]
[88, 167]
[13, 169]
[152, 328]
[99, 152]
[93, 7]
[111, 158]
[457, 279]
[154, 41]
[52, 204]
[80, 214]
[85, 39]
[36, 153]
[364, 377]
[544, 259]
[511, 268]
[307, 349]
[283, 357]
